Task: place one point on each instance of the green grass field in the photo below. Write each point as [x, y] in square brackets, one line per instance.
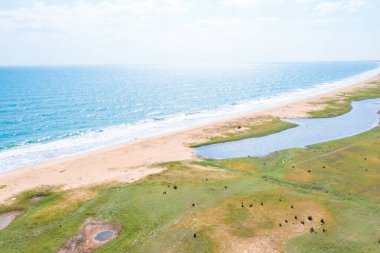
[230, 205]
[331, 108]
[257, 129]
[335, 107]
[342, 188]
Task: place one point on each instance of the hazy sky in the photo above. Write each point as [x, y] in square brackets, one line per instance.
[191, 31]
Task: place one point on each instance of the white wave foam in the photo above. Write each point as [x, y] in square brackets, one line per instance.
[31, 154]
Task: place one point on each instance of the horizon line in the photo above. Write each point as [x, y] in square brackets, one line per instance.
[183, 63]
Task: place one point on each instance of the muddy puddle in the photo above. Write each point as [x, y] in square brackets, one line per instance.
[92, 235]
[7, 218]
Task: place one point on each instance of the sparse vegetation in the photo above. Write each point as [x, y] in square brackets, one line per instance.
[225, 205]
[343, 191]
[250, 130]
[342, 104]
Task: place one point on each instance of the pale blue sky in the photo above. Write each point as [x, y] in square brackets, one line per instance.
[193, 31]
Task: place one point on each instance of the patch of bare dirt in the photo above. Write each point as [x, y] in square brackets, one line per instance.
[285, 222]
[92, 235]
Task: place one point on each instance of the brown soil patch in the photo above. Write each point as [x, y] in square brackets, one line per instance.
[261, 227]
[373, 159]
[211, 172]
[300, 176]
[239, 166]
[84, 241]
[205, 168]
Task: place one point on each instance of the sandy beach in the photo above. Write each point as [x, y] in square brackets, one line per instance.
[132, 161]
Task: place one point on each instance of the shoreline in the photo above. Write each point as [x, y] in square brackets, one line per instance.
[132, 161]
[111, 136]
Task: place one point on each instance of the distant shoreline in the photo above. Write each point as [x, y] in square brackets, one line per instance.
[74, 143]
[132, 161]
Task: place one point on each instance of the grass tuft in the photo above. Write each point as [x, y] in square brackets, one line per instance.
[342, 104]
[251, 130]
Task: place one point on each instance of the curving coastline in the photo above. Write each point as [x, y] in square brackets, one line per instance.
[132, 161]
[81, 142]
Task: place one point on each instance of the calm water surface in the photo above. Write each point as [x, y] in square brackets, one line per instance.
[361, 118]
[52, 112]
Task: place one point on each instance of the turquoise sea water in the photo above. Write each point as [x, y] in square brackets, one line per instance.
[52, 112]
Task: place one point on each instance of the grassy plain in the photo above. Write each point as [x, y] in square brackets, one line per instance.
[341, 188]
[325, 198]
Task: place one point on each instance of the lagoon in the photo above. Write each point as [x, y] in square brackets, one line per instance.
[363, 117]
[49, 113]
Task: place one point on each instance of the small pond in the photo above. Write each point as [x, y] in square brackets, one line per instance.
[7, 218]
[363, 117]
[104, 235]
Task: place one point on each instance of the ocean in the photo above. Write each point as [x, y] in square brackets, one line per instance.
[53, 112]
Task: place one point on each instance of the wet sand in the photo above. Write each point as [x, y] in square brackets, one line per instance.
[132, 161]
